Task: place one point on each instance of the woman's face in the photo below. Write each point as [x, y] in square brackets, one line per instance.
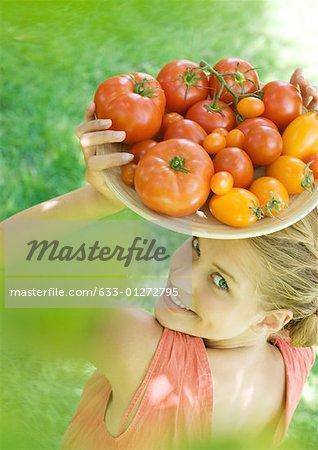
[215, 279]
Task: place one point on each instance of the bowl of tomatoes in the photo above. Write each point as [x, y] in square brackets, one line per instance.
[226, 159]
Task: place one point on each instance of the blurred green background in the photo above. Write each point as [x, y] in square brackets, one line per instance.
[54, 54]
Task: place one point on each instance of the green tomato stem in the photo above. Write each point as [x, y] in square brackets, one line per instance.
[177, 164]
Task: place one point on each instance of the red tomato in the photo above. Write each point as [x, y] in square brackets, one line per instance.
[183, 83]
[250, 107]
[221, 183]
[139, 149]
[238, 163]
[272, 195]
[283, 103]
[128, 173]
[214, 142]
[293, 173]
[235, 138]
[186, 129]
[314, 163]
[174, 177]
[134, 102]
[244, 81]
[263, 145]
[237, 208]
[209, 119]
[168, 119]
[248, 124]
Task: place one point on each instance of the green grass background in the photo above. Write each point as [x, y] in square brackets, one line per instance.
[54, 54]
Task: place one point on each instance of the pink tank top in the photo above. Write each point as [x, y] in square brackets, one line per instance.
[173, 401]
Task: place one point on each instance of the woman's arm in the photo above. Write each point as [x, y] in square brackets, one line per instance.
[85, 203]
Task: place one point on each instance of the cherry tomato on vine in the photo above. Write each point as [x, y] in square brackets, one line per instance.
[314, 163]
[263, 145]
[127, 172]
[214, 142]
[238, 208]
[244, 79]
[248, 124]
[238, 163]
[173, 177]
[186, 129]
[293, 173]
[134, 102]
[221, 183]
[250, 107]
[300, 138]
[283, 103]
[184, 83]
[211, 116]
[235, 138]
[139, 149]
[272, 195]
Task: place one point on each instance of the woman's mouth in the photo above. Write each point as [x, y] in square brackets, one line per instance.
[175, 304]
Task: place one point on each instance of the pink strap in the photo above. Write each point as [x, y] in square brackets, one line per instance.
[142, 388]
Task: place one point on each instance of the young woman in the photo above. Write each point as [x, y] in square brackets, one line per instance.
[226, 357]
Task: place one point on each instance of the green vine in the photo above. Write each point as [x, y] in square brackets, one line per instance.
[239, 78]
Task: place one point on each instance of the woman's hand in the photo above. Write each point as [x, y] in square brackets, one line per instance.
[96, 134]
[309, 93]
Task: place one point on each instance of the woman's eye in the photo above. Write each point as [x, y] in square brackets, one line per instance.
[196, 245]
[219, 281]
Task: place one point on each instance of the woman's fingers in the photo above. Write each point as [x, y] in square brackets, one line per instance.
[93, 125]
[90, 112]
[298, 73]
[103, 162]
[309, 93]
[102, 137]
[88, 152]
[312, 92]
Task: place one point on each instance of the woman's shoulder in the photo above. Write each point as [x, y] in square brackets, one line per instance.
[127, 341]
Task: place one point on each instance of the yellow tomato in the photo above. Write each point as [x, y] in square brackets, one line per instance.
[300, 139]
[237, 208]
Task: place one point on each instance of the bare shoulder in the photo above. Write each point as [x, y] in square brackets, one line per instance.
[238, 373]
[125, 344]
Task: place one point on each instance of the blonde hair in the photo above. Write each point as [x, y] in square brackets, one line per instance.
[290, 257]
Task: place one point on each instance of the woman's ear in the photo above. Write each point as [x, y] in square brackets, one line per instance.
[273, 320]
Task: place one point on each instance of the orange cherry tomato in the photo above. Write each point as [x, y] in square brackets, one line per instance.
[235, 138]
[128, 173]
[168, 119]
[250, 107]
[214, 142]
[221, 183]
[238, 208]
[222, 131]
[293, 173]
[272, 195]
[314, 163]
[139, 149]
